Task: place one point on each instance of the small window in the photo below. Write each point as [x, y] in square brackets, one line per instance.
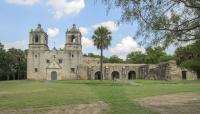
[36, 70]
[60, 60]
[36, 56]
[72, 55]
[48, 61]
[73, 70]
[36, 38]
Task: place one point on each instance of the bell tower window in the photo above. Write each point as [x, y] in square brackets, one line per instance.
[73, 40]
[36, 39]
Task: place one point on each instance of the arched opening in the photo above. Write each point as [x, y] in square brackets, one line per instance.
[53, 75]
[131, 75]
[198, 74]
[73, 39]
[97, 75]
[115, 75]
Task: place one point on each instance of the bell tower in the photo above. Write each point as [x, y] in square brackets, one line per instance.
[38, 45]
[73, 39]
[73, 51]
[38, 39]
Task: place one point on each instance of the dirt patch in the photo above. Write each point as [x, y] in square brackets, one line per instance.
[93, 108]
[181, 103]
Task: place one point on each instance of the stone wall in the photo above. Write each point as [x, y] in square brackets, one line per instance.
[170, 71]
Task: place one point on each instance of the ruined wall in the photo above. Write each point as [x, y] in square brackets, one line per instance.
[170, 71]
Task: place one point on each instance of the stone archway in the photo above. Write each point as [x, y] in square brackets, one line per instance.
[115, 75]
[131, 75]
[97, 75]
[53, 75]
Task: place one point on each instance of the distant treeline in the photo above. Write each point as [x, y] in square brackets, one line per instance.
[152, 56]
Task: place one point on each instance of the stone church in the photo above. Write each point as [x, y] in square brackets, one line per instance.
[69, 63]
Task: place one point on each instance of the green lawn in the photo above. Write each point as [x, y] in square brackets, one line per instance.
[119, 96]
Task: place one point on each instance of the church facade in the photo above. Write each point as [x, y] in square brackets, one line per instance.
[69, 63]
[46, 64]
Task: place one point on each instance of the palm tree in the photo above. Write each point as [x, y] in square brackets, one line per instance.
[102, 39]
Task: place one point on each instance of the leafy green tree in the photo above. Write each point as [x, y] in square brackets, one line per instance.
[136, 57]
[161, 21]
[106, 60]
[1, 46]
[166, 57]
[102, 39]
[115, 59]
[12, 64]
[17, 63]
[189, 57]
[3, 64]
[153, 55]
[93, 55]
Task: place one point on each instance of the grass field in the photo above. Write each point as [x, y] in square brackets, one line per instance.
[120, 97]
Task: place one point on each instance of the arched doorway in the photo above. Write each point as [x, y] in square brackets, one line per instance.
[97, 75]
[115, 75]
[131, 75]
[53, 75]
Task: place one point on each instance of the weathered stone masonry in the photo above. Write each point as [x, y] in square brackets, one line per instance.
[68, 63]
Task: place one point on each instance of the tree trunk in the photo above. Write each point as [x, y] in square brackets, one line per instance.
[101, 69]
[8, 78]
[13, 76]
[101, 64]
[18, 75]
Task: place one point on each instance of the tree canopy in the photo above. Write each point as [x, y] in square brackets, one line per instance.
[189, 56]
[115, 59]
[136, 57]
[161, 21]
[152, 56]
[12, 64]
[102, 37]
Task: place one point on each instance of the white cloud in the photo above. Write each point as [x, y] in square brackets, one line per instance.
[84, 30]
[125, 46]
[23, 2]
[65, 7]
[112, 26]
[53, 32]
[86, 42]
[21, 44]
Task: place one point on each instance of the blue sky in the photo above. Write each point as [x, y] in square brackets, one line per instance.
[18, 17]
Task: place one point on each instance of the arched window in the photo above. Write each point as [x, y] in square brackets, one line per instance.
[36, 38]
